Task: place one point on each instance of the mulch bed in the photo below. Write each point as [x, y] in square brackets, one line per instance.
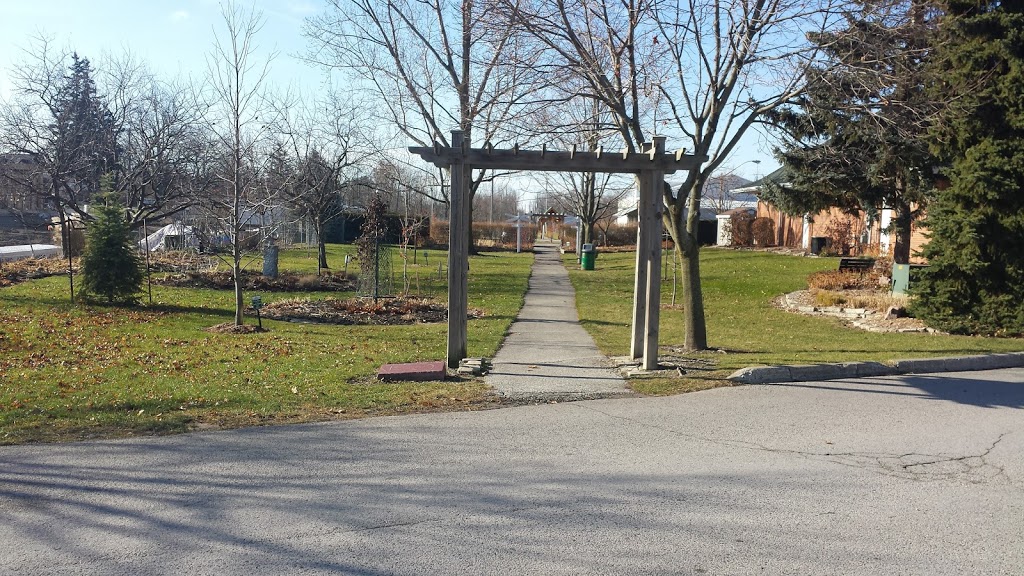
[19, 271]
[285, 282]
[230, 328]
[360, 311]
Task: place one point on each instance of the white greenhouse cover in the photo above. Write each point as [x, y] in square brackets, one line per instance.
[28, 251]
[158, 240]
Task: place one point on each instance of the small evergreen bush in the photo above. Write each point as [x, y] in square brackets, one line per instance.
[111, 265]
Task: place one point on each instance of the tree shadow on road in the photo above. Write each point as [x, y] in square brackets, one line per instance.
[985, 389]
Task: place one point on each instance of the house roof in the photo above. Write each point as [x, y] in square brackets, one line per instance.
[780, 176]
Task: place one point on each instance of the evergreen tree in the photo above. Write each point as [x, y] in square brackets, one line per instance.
[975, 282]
[86, 128]
[857, 137]
[111, 266]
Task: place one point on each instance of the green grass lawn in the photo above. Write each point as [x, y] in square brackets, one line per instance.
[742, 323]
[70, 372]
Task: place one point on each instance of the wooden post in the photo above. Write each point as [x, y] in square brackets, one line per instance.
[636, 346]
[654, 210]
[458, 252]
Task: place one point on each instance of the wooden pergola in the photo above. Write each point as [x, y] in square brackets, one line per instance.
[650, 167]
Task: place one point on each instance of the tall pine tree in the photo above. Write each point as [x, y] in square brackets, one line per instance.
[975, 283]
[857, 135]
[86, 129]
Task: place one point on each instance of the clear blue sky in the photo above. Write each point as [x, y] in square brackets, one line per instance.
[174, 36]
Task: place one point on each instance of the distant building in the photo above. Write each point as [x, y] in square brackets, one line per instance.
[15, 195]
[814, 232]
[721, 195]
[23, 214]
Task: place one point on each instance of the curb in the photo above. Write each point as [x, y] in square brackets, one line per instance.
[815, 372]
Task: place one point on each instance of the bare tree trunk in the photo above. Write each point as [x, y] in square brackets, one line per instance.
[321, 245]
[904, 220]
[236, 273]
[321, 256]
[684, 229]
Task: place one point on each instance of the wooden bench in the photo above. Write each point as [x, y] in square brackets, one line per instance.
[856, 264]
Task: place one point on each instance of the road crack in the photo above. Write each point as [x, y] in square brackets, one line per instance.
[973, 468]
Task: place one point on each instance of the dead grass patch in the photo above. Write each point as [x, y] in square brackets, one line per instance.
[835, 280]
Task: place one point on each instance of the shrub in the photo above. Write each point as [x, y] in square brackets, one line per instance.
[840, 236]
[111, 266]
[741, 223]
[620, 235]
[763, 231]
[439, 232]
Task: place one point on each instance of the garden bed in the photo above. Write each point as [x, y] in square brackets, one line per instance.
[865, 309]
[360, 311]
[285, 282]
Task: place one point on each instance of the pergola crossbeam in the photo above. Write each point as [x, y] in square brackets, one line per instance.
[558, 161]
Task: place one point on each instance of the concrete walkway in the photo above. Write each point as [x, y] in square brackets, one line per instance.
[547, 354]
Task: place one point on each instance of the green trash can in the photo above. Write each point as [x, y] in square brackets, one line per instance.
[587, 257]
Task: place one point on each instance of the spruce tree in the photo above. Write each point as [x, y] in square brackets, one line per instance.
[111, 266]
[857, 136]
[87, 129]
[975, 282]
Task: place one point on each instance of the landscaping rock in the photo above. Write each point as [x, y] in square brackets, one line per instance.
[895, 312]
[474, 366]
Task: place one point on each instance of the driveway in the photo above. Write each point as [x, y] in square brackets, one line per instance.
[909, 475]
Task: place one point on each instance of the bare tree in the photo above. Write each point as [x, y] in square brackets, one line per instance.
[331, 145]
[53, 95]
[717, 193]
[237, 82]
[76, 122]
[163, 158]
[703, 71]
[434, 65]
[590, 196]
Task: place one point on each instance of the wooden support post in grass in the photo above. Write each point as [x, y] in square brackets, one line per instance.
[653, 208]
[458, 252]
[643, 231]
[647, 280]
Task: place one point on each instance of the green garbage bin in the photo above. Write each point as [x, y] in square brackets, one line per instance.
[587, 257]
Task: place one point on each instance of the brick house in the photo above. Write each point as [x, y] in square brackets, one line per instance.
[839, 230]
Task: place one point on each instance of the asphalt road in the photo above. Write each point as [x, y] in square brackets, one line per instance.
[908, 475]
